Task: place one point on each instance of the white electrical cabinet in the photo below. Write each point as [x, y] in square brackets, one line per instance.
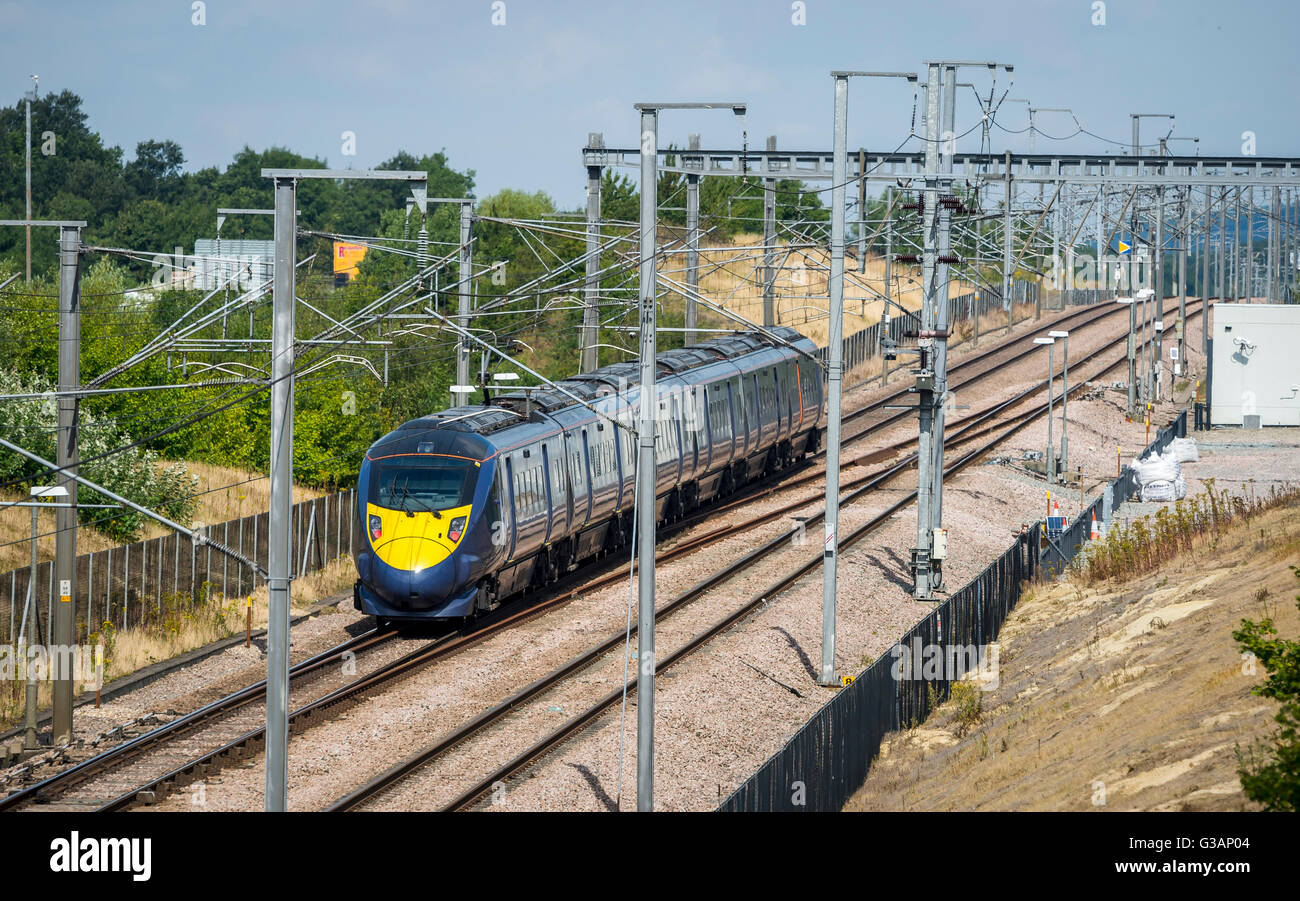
[1256, 366]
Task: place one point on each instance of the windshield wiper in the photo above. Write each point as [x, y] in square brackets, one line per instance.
[406, 495]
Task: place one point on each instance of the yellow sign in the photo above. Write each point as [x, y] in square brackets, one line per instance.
[347, 257]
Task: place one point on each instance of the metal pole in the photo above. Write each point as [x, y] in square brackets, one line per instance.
[692, 245]
[1051, 445]
[889, 258]
[1223, 265]
[1205, 264]
[28, 146]
[1274, 239]
[1157, 354]
[279, 552]
[1065, 401]
[465, 276]
[1100, 282]
[769, 243]
[862, 210]
[1006, 243]
[835, 367]
[1157, 302]
[1236, 249]
[1184, 228]
[31, 604]
[646, 471]
[925, 385]
[65, 538]
[1132, 357]
[591, 310]
[942, 315]
[1057, 251]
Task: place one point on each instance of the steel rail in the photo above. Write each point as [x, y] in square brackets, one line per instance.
[861, 486]
[94, 766]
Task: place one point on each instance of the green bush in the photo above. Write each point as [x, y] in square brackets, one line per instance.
[136, 474]
[1272, 776]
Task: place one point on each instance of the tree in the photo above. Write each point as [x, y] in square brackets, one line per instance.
[156, 170]
[1275, 782]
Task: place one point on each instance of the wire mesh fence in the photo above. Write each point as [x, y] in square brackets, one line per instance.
[126, 585]
[863, 345]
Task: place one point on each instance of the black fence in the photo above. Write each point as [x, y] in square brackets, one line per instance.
[1081, 297]
[864, 344]
[827, 760]
[125, 585]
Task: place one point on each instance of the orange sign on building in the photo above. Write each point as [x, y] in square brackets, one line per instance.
[346, 258]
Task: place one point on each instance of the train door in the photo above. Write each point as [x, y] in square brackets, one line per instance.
[675, 434]
[757, 423]
[579, 487]
[587, 476]
[696, 426]
[777, 402]
[546, 492]
[509, 503]
[736, 410]
[562, 505]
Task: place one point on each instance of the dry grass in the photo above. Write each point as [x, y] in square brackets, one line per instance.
[225, 493]
[732, 278]
[992, 325]
[184, 626]
[1126, 696]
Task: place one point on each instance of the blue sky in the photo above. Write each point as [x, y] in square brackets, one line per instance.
[515, 102]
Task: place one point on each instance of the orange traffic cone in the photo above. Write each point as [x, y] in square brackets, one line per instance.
[1094, 534]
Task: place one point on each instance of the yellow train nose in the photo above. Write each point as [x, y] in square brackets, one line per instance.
[417, 541]
[412, 553]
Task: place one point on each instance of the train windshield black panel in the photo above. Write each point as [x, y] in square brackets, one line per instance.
[419, 484]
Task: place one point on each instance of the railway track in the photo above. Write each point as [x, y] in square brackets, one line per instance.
[215, 716]
[138, 771]
[971, 428]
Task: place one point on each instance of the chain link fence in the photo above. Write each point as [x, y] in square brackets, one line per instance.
[863, 345]
[120, 585]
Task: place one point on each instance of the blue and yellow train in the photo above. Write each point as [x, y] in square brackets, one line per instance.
[463, 509]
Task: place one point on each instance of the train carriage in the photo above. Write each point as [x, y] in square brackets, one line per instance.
[465, 508]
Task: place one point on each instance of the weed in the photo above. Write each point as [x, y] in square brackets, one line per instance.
[968, 704]
[1145, 544]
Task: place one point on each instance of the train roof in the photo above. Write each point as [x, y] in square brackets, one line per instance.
[518, 407]
[607, 380]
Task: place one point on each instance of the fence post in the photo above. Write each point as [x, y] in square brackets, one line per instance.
[256, 519]
[126, 587]
[90, 593]
[225, 561]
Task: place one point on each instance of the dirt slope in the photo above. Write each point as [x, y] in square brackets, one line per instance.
[1131, 697]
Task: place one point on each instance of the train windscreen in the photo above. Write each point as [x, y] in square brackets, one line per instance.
[418, 484]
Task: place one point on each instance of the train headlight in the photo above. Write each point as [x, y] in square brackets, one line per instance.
[376, 527]
[456, 528]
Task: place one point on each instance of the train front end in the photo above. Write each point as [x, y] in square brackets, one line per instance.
[425, 505]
